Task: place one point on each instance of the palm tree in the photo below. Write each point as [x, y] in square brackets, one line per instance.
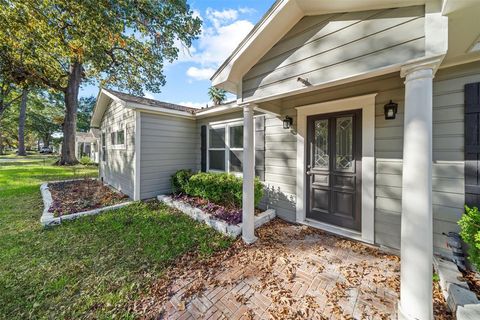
[217, 95]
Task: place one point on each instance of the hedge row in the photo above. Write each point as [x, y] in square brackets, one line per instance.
[220, 188]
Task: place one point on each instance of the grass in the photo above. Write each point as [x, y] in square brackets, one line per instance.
[88, 268]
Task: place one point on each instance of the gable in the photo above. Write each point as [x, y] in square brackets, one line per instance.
[329, 47]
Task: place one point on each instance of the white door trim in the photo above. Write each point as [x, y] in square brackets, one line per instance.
[367, 104]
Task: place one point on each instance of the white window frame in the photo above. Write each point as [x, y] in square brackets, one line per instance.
[103, 146]
[116, 146]
[226, 125]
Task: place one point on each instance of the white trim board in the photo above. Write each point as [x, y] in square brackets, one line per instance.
[367, 104]
[138, 141]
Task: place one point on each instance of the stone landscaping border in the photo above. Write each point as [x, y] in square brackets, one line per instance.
[48, 219]
[462, 302]
[219, 225]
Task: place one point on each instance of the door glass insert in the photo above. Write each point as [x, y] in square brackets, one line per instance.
[344, 143]
[321, 158]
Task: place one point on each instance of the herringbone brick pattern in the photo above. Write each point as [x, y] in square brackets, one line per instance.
[292, 272]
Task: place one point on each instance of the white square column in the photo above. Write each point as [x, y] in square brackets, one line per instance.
[248, 202]
[417, 223]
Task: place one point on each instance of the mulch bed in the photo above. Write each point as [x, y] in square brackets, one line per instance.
[82, 195]
[229, 214]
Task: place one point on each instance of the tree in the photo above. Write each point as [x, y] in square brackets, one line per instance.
[45, 115]
[62, 43]
[8, 95]
[85, 109]
[21, 123]
[217, 95]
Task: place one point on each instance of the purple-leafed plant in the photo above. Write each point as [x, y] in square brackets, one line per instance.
[230, 215]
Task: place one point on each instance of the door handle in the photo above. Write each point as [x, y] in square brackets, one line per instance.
[309, 173]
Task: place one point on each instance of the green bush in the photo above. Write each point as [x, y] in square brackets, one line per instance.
[220, 188]
[85, 160]
[180, 179]
[470, 233]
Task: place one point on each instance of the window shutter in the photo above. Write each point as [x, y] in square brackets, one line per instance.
[203, 142]
[260, 147]
[472, 144]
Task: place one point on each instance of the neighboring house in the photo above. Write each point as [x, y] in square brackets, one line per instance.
[86, 145]
[383, 146]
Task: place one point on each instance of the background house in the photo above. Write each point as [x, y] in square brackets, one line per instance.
[86, 145]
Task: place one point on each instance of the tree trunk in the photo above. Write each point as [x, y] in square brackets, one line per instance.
[1, 141]
[70, 121]
[46, 140]
[21, 123]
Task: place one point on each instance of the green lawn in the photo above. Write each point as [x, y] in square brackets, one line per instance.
[88, 268]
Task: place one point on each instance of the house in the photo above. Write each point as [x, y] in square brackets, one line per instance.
[86, 145]
[143, 142]
[361, 118]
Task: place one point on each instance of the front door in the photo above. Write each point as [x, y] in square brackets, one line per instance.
[333, 168]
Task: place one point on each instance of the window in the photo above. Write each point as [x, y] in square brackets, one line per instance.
[236, 148]
[217, 147]
[117, 139]
[225, 147]
[104, 147]
[121, 137]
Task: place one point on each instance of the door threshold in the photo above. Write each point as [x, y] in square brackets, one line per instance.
[344, 232]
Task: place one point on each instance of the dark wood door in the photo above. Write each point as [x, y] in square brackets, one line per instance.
[333, 168]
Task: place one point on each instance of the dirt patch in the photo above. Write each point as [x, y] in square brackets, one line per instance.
[291, 272]
[82, 195]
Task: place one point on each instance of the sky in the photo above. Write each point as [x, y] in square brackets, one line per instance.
[225, 24]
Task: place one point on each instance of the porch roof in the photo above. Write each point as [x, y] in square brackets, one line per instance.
[276, 22]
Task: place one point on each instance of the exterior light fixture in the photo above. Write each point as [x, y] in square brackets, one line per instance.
[287, 122]
[390, 110]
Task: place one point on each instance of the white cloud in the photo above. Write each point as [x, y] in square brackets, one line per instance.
[221, 17]
[222, 31]
[215, 46]
[200, 73]
[191, 104]
[149, 95]
[246, 10]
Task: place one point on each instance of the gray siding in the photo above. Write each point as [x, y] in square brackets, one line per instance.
[328, 47]
[448, 181]
[118, 169]
[168, 144]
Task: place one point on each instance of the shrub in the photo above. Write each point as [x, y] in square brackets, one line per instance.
[85, 160]
[470, 233]
[180, 180]
[220, 188]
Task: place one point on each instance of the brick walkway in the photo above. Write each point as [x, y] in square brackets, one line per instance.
[292, 272]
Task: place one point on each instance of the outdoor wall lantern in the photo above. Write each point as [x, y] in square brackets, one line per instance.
[390, 110]
[287, 122]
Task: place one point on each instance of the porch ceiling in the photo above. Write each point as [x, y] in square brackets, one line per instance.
[463, 32]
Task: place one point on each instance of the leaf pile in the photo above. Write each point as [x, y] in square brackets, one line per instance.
[82, 195]
[473, 280]
[291, 272]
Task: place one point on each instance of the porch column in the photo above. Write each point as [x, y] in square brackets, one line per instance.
[416, 227]
[248, 205]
